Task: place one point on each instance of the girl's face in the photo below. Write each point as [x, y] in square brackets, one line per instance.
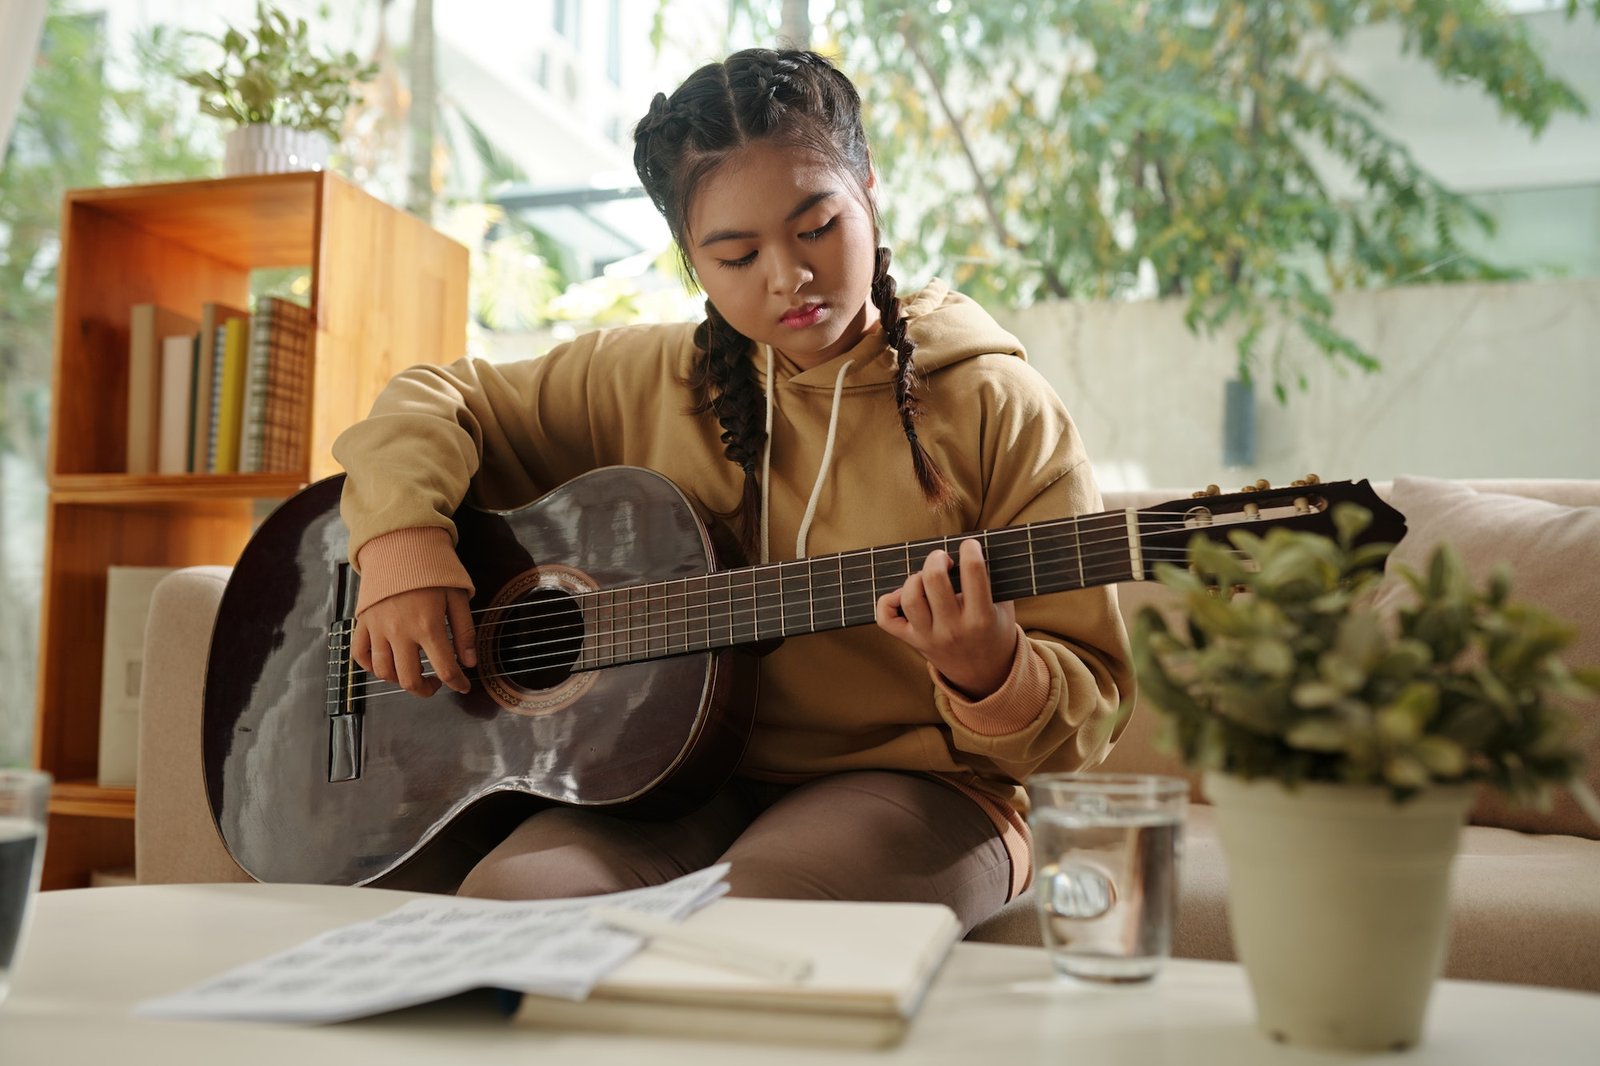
[783, 244]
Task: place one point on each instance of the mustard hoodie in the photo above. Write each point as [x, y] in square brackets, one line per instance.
[498, 435]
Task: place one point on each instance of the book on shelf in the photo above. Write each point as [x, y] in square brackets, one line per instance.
[872, 964]
[230, 413]
[279, 387]
[128, 592]
[208, 384]
[148, 326]
[175, 454]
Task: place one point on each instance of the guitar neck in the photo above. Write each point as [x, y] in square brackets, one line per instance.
[749, 605]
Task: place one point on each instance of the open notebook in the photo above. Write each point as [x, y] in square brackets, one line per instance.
[872, 964]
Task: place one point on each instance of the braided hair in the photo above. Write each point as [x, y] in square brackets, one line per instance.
[796, 99]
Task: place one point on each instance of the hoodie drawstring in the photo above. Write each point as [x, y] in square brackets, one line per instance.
[822, 471]
[766, 456]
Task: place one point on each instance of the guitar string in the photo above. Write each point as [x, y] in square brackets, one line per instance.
[718, 619]
[1054, 529]
[563, 647]
[773, 576]
[1107, 522]
[713, 622]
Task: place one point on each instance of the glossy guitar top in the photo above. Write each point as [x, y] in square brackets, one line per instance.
[612, 671]
[317, 773]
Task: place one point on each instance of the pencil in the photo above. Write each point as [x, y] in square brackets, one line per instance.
[700, 945]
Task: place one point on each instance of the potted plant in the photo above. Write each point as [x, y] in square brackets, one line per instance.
[1341, 749]
[287, 102]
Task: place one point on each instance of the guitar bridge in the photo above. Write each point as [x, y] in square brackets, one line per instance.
[344, 703]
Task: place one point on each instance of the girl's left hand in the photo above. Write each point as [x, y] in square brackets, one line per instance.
[966, 636]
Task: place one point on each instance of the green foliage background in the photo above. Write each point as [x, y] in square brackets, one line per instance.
[1102, 149]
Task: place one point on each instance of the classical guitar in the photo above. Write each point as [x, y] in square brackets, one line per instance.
[614, 658]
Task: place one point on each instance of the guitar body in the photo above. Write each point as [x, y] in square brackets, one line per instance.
[615, 658]
[317, 773]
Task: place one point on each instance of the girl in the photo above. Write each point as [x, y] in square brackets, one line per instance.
[818, 412]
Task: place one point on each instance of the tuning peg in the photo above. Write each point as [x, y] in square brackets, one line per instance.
[1263, 484]
[1312, 479]
[1209, 490]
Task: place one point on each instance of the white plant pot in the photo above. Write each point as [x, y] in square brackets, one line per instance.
[263, 149]
[1338, 897]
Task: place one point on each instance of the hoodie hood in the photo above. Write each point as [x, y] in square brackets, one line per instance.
[946, 326]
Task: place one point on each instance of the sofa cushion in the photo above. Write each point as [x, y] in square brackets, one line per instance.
[1523, 909]
[174, 837]
[1550, 550]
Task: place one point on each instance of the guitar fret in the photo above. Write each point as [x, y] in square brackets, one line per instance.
[794, 584]
[695, 634]
[767, 602]
[677, 621]
[827, 608]
[637, 625]
[744, 622]
[856, 590]
[1010, 556]
[888, 569]
[1077, 543]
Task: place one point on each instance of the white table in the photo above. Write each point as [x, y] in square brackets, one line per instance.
[92, 953]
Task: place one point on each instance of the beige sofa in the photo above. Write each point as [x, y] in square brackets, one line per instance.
[1526, 899]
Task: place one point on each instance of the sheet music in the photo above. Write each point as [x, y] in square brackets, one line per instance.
[437, 947]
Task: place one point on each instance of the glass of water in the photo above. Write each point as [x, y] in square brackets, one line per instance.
[24, 802]
[1107, 852]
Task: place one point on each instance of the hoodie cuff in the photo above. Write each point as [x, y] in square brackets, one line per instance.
[1019, 700]
[408, 559]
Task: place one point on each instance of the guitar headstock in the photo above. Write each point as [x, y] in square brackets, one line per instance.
[1307, 504]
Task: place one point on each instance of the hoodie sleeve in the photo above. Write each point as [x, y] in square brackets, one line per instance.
[506, 432]
[1058, 710]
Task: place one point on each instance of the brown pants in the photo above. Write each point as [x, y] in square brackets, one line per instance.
[862, 835]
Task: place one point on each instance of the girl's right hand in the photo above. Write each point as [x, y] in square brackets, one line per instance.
[392, 635]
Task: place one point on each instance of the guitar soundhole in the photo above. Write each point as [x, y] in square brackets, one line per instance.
[539, 639]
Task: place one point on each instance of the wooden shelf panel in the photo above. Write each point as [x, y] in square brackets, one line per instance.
[127, 488]
[86, 799]
[264, 220]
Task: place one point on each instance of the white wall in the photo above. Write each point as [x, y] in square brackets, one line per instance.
[1478, 380]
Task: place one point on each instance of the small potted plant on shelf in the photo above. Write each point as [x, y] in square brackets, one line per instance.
[286, 102]
[1342, 748]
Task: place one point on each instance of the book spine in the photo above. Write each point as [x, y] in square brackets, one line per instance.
[288, 389]
[144, 389]
[177, 388]
[256, 385]
[230, 418]
[148, 327]
[218, 348]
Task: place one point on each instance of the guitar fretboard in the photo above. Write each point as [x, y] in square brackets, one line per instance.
[759, 603]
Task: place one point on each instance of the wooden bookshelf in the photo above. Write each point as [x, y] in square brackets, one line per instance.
[386, 291]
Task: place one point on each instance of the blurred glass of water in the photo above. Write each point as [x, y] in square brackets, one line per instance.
[1106, 847]
[24, 802]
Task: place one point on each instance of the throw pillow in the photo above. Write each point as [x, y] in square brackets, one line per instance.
[1552, 552]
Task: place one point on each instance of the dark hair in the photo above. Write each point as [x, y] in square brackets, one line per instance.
[797, 99]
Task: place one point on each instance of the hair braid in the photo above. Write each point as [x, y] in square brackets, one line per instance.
[723, 382]
[935, 486]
